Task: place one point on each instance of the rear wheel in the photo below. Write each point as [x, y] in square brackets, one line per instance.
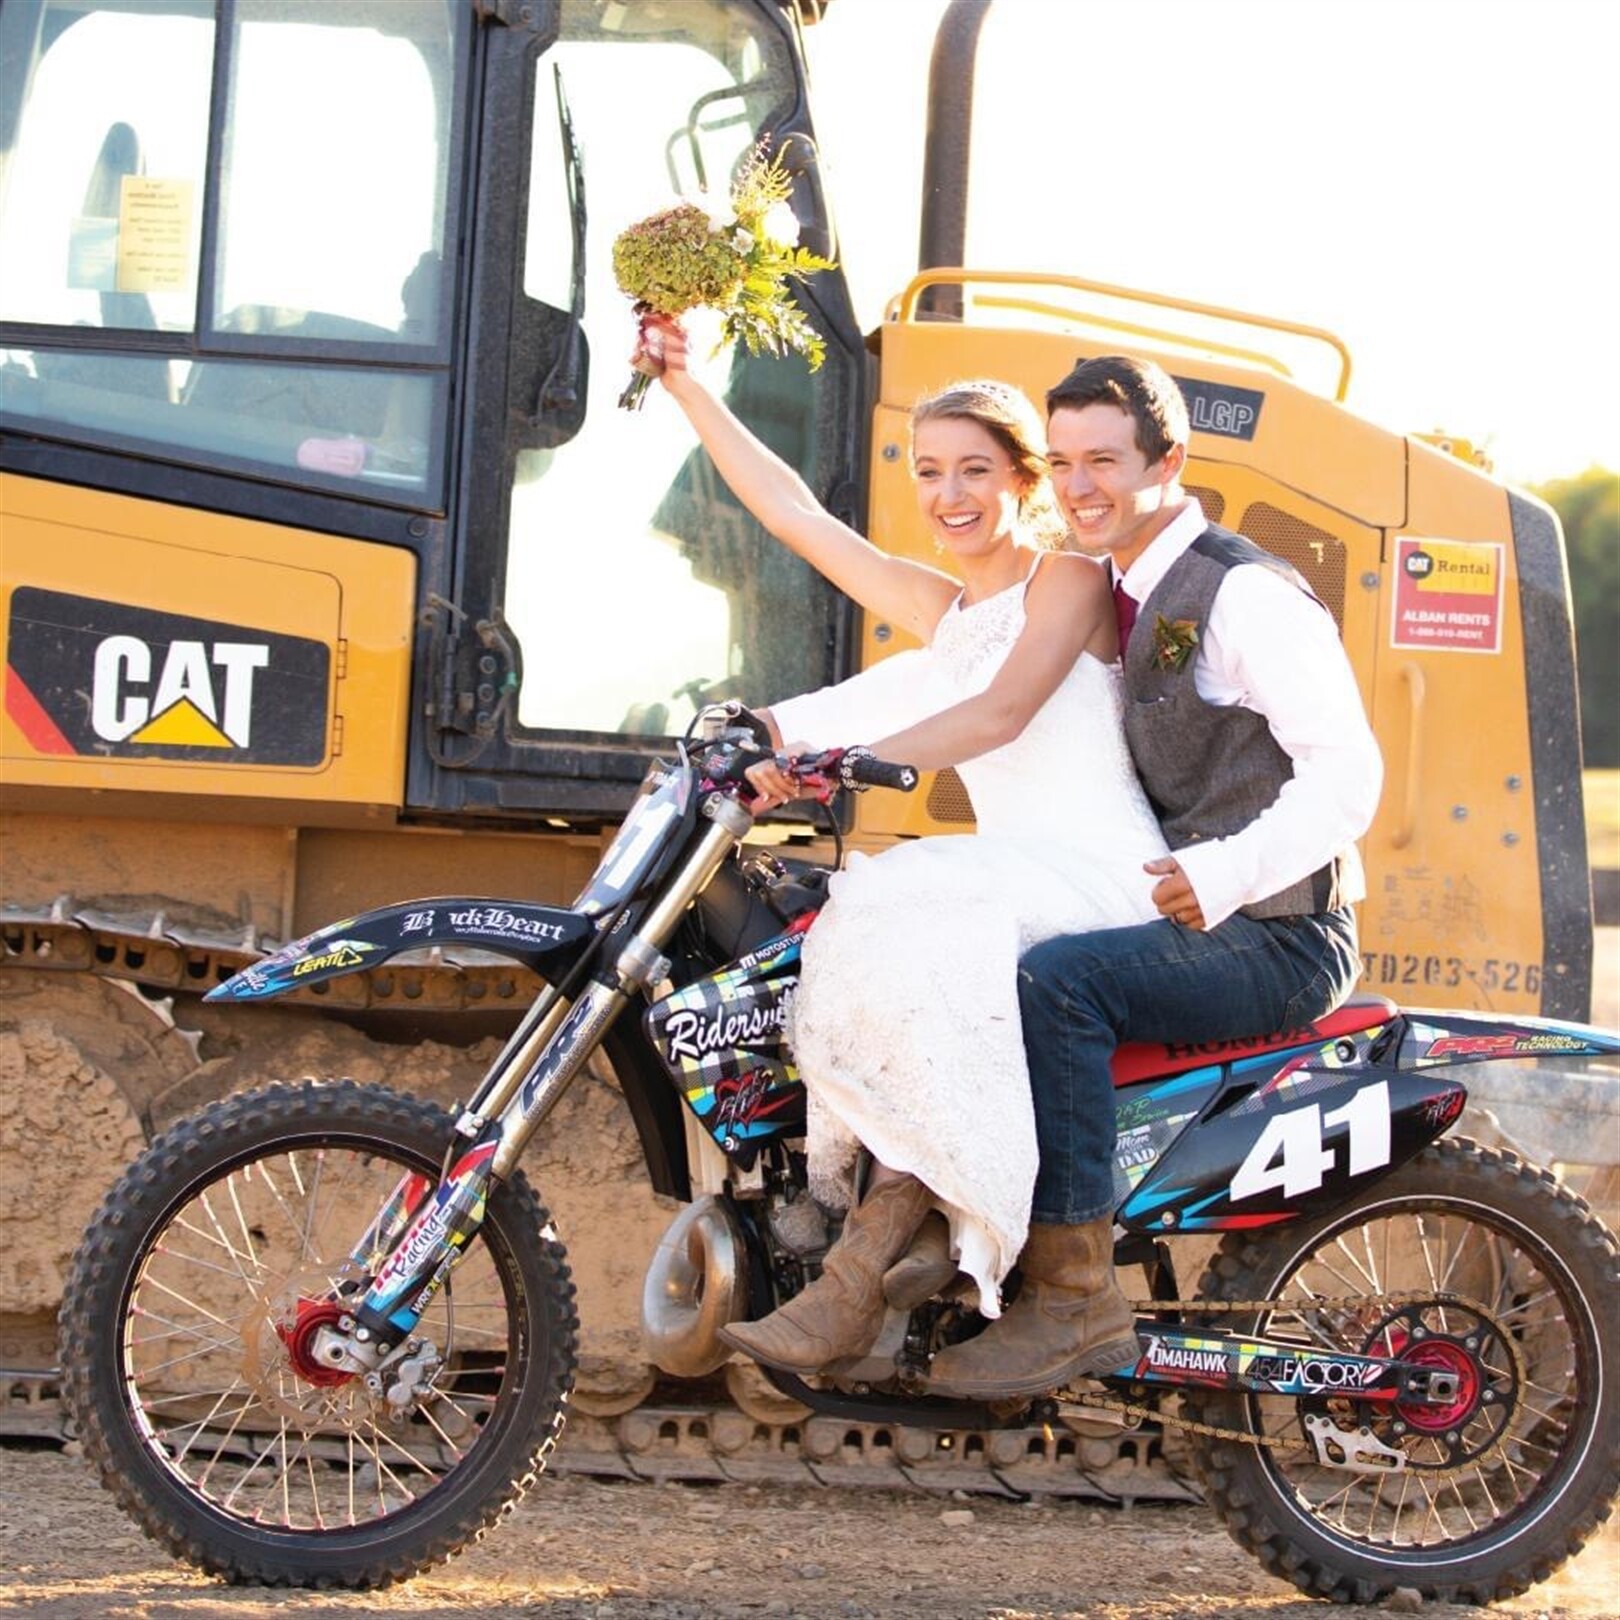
[186, 1336]
[1470, 1261]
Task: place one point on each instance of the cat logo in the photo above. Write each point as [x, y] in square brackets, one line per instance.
[110, 681]
[202, 695]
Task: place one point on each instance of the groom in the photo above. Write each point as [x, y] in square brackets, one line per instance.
[1250, 738]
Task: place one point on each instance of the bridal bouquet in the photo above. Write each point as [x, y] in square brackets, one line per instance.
[683, 259]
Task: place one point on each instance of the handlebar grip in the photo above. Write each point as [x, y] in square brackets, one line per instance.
[883, 773]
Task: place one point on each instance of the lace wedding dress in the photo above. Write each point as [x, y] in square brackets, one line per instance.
[906, 1023]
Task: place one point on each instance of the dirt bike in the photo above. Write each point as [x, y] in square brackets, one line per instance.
[324, 1334]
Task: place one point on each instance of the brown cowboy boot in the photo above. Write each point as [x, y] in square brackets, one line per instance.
[1069, 1321]
[925, 1267]
[839, 1314]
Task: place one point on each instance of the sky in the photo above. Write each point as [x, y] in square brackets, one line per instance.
[1437, 182]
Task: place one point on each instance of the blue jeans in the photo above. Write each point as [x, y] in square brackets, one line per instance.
[1082, 994]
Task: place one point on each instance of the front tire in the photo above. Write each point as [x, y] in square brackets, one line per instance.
[1511, 1480]
[191, 1404]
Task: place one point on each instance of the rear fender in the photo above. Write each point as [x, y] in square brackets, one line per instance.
[1437, 1039]
[537, 936]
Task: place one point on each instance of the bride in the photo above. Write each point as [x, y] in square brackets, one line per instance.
[906, 1022]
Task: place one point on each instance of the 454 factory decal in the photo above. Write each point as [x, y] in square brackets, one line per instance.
[102, 679]
[1183, 1356]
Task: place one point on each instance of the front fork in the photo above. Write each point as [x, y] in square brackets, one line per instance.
[533, 1070]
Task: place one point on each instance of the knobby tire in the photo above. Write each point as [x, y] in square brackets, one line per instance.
[181, 1387]
[1495, 1499]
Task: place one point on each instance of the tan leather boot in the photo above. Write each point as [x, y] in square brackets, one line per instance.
[839, 1314]
[925, 1267]
[1069, 1321]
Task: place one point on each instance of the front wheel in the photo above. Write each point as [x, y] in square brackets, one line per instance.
[1470, 1261]
[186, 1368]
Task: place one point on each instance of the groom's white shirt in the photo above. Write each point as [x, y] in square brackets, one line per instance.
[1270, 648]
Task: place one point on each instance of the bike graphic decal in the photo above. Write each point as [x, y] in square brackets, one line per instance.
[1458, 1038]
[1149, 1118]
[638, 843]
[422, 1258]
[1146, 1060]
[514, 928]
[724, 1042]
[1296, 1139]
[1291, 1152]
[1445, 1106]
[1185, 1360]
[1186, 1356]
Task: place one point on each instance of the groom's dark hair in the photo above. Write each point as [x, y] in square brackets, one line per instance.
[1147, 393]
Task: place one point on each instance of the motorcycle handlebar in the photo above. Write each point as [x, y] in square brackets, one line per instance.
[854, 769]
[870, 771]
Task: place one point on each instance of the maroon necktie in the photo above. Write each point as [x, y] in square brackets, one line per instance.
[1124, 613]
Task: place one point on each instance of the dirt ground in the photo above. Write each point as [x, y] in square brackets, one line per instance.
[585, 1547]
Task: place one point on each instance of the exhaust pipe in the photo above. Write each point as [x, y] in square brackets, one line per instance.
[943, 239]
[694, 1287]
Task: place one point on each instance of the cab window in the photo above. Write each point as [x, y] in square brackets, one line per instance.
[264, 296]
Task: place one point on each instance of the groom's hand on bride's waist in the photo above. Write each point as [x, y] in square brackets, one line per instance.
[1173, 894]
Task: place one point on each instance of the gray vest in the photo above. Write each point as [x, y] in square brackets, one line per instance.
[1209, 770]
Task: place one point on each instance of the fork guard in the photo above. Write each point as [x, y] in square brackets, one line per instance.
[530, 934]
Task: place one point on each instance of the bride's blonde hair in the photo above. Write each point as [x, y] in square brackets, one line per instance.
[1009, 416]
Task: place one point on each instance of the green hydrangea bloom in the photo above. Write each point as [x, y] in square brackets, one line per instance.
[676, 261]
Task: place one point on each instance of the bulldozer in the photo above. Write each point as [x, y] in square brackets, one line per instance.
[332, 576]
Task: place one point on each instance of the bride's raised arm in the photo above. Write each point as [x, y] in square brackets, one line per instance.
[906, 593]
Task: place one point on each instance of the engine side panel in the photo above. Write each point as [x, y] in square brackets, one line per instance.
[155, 650]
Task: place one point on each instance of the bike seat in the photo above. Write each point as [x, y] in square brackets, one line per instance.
[1149, 1060]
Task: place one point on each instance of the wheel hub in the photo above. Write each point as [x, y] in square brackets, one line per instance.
[299, 1337]
[1444, 1355]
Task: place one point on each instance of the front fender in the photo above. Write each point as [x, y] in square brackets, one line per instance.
[531, 934]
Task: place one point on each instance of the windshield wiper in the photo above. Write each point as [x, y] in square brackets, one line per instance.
[559, 394]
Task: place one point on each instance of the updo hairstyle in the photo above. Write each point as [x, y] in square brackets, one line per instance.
[1010, 418]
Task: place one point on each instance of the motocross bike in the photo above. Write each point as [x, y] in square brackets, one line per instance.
[324, 1334]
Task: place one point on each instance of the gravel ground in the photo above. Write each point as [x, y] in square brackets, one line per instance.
[582, 1547]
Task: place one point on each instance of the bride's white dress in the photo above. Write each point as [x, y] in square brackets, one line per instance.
[906, 1023]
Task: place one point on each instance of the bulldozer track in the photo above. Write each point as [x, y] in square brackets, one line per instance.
[148, 949]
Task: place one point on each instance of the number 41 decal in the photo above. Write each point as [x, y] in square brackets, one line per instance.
[1289, 1153]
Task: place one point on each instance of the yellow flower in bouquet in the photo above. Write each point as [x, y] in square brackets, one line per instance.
[680, 259]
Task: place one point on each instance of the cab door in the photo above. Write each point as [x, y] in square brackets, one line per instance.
[604, 583]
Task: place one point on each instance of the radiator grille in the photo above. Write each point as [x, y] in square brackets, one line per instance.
[947, 799]
[1212, 501]
[1318, 555]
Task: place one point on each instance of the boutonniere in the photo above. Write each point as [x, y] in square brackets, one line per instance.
[1173, 641]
